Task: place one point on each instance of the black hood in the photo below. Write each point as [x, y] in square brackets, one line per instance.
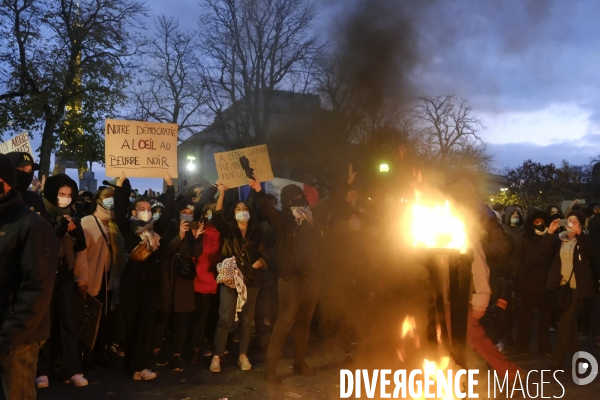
[54, 183]
[528, 228]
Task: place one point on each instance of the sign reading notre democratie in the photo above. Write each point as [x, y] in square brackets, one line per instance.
[18, 143]
[231, 172]
[141, 149]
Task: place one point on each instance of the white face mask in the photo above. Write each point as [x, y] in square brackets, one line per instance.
[242, 216]
[144, 215]
[64, 202]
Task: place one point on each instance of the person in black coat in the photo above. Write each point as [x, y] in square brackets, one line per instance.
[25, 168]
[176, 298]
[71, 280]
[140, 286]
[298, 256]
[572, 253]
[533, 268]
[28, 259]
[242, 239]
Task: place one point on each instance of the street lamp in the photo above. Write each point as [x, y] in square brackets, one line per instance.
[191, 165]
[384, 168]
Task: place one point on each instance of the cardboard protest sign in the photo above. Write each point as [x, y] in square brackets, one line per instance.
[231, 172]
[141, 149]
[17, 143]
[274, 187]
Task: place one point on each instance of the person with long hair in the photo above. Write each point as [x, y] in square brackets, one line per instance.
[105, 261]
[140, 282]
[243, 240]
[205, 284]
[572, 252]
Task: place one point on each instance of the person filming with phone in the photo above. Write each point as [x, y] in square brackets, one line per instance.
[570, 279]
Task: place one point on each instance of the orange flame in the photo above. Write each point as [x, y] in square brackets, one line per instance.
[437, 226]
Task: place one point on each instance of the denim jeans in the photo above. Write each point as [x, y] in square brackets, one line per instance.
[18, 372]
[227, 316]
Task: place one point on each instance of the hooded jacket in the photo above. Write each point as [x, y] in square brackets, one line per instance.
[531, 265]
[297, 246]
[28, 259]
[513, 231]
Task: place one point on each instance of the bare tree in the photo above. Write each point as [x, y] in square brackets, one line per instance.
[60, 53]
[449, 133]
[171, 89]
[254, 48]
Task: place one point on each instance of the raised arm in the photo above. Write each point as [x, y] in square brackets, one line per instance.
[207, 197]
[218, 220]
[119, 207]
[163, 222]
[272, 215]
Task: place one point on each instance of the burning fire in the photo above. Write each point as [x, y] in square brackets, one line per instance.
[430, 368]
[437, 227]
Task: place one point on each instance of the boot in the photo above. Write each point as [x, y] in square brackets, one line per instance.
[300, 368]
[271, 373]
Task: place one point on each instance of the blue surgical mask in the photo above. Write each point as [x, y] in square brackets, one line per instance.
[242, 216]
[108, 203]
[514, 221]
[186, 217]
[209, 216]
[156, 216]
[132, 199]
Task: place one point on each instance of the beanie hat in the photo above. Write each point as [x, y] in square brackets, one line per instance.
[183, 204]
[8, 172]
[54, 183]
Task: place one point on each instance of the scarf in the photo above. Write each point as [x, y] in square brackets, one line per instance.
[118, 247]
[67, 254]
[302, 214]
[564, 237]
[144, 230]
[540, 233]
[231, 276]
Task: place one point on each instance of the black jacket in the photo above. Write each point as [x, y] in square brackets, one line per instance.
[297, 246]
[233, 243]
[29, 252]
[176, 293]
[532, 267]
[149, 269]
[584, 253]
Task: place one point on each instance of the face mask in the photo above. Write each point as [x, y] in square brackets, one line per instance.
[554, 211]
[132, 199]
[144, 215]
[209, 216]
[23, 180]
[156, 216]
[108, 203]
[64, 202]
[514, 221]
[540, 228]
[242, 216]
[186, 217]
[355, 224]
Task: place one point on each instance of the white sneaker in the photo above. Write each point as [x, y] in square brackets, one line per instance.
[244, 363]
[78, 380]
[145, 375]
[215, 364]
[41, 382]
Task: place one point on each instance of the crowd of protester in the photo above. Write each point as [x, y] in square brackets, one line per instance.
[210, 267]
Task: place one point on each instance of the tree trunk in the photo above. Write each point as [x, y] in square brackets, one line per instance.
[47, 146]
